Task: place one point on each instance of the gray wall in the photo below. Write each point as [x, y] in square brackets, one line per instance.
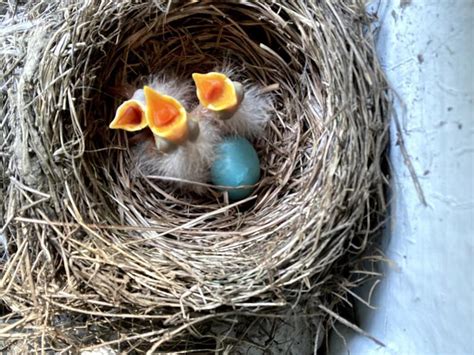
[427, 298]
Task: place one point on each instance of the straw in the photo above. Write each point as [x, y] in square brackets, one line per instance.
[137, 264]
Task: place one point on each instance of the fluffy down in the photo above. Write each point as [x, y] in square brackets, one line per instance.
[251, 117]
[190, 161]
[181, 90]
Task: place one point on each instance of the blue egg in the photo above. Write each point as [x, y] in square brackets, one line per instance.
[236, 164]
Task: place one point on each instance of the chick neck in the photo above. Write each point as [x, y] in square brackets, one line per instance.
[230, 111]
[167, 146]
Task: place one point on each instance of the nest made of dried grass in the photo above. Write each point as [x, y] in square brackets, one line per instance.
[92, 256]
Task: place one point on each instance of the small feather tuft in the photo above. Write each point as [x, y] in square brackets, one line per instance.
[178, 89]
[252, 115]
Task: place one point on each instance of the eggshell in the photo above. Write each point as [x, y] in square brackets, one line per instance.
[236, 164]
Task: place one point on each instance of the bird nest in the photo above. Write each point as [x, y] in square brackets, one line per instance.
[93, 255]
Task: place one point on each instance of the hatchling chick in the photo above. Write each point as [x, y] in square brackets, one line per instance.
[179, 146]
[236, 109]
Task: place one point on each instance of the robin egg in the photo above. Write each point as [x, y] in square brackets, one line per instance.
[236, 164]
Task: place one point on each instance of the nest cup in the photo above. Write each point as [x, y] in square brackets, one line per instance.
[95, 255]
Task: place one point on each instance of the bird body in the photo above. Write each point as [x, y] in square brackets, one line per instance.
[189, 162]
[247, 118]
[250, 119]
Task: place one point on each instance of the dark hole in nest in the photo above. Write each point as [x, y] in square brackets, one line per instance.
[195, 43]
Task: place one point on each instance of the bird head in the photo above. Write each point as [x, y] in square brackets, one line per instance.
[218, 93]
[130, 116]
[166, 117]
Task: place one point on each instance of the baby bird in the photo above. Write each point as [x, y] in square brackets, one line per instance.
[236, 109]
[181, 146]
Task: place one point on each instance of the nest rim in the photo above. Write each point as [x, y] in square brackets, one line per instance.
[315, 210]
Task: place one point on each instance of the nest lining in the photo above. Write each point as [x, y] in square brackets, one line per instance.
[124, 255]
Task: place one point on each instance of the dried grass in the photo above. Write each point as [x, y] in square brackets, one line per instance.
[94, 256]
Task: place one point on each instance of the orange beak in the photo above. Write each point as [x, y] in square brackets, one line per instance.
[216, 91]
[130, 116]
[165, 116]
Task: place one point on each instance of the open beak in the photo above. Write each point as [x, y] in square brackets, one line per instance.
[165, 116]
[218, 93]
[129, 116]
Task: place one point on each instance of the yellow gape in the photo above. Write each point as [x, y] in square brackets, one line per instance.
[215, 91]
[165, 116]
[130, 116]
